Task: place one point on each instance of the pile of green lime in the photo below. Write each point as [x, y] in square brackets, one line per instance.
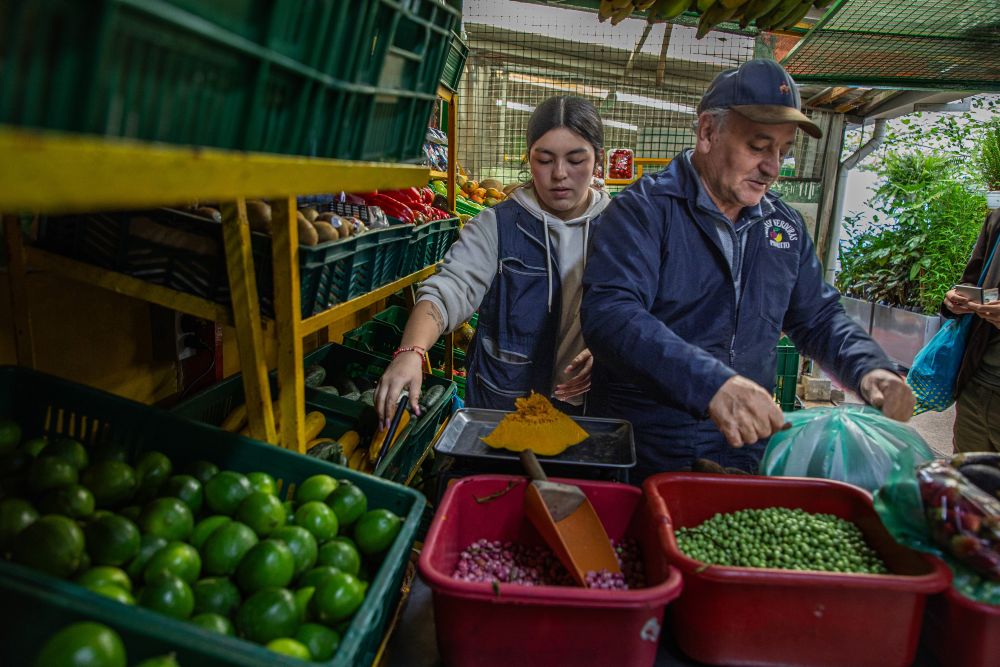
[216, 547]
[89, 644]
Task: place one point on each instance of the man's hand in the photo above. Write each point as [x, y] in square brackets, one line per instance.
[888, 392]
[956, 303]
[578, 384]
[989, 312]
[744, 411]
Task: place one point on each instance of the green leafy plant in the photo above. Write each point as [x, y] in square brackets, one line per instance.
[916, 246]
[988, 157]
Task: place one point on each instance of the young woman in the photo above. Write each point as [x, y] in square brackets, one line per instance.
[520, 264]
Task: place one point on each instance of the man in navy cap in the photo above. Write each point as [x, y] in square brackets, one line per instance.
[693, 275]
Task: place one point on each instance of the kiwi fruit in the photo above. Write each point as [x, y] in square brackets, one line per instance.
[309, 212]
[259, 215]
[325, 231]
[307, 233]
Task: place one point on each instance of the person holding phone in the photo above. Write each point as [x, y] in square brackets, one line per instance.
[977, 388]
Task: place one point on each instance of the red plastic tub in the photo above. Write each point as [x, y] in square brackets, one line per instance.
[961, 632]
[750, 616]
[481, 625]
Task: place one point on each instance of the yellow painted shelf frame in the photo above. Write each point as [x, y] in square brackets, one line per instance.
[47, 172]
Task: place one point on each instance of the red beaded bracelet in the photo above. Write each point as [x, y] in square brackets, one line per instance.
[413, 348]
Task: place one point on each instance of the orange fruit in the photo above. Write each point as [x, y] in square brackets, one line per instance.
[375, 531]
[170, 518]
[268, 564]
[337, 597]
[268, 614]
[348, 502]
[52, 544]
[214, 623]
[261, 511]
[169, 595]
[317, 487]
[83, 645]
[318, 519]
[340, 553]
[321, 641]
[301, 542]
[226, 547]
[225, 492]
[216, 595]
[176, 558]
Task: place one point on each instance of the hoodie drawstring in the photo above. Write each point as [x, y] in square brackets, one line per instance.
[548, 257]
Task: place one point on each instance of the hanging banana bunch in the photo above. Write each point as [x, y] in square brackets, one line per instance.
[764, 14]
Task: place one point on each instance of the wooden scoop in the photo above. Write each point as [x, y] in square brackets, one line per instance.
[567, 522]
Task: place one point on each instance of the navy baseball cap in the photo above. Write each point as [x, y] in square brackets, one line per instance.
[762, 91]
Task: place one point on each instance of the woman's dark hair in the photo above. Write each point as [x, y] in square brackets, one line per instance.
[573, 113]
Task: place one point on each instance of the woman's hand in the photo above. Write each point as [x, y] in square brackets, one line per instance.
[956, 303]
[988, 311]
[888, 392]
[405, 372]
[579, 383]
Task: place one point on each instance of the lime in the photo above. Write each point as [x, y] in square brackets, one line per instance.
[159, 661]
[10, 435]
[375, 531]
[52, 544]
[187, 488]
[112, 540]
[105, 574]
[170, 518]
[152, 470]
[226, 546]
[69, 449]
[268, 564]
[261, 511]
[34, 446]
[83, 645]
[337, 597]
[268, 614]
[348, 502]
[176, 558]
[168, 595]
[216, 595]
[16, 514]
[204, 528]
[302, 543]
[318, 519]
[303, 596]
[148, 546]
[316, 575]
[321, 641]
[131, 512]
[111, 482]
[317, 487]
[289, 647]
[74, 501]
[261, 481]
[112, 591]
[214, 623]
[202, 470]
[225, 492]
[340, 553]
[50, 473]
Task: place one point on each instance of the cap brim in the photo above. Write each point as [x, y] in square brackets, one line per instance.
[772, 114]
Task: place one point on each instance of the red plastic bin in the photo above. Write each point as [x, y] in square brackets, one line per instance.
[758, 616]
[541, 625]
[961, 632]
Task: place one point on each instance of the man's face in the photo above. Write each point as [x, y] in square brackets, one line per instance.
[739, 161]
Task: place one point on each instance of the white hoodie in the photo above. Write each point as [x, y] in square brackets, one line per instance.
[470, 265]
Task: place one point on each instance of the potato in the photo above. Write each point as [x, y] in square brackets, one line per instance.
[208, 212]
[259, 215]
[309, 212]
[307, 233]
[325, 231]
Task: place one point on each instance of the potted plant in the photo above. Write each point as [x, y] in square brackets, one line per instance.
[988, 161]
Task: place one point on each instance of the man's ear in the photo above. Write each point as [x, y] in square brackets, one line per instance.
[706, 133]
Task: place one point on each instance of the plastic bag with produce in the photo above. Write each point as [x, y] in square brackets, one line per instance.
[849, 443]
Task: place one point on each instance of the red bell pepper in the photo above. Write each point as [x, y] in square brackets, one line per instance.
[428, 195]
[392, 207]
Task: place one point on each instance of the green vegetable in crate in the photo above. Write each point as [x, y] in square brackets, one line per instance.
[327, 449]
[52, 544]
[112, 482]
[83, 644]
[268, 614]
[328, 389]
[170, 595]
[314, 375]
[68, 449]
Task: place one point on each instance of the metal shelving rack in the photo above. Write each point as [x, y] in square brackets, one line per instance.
[48, 172]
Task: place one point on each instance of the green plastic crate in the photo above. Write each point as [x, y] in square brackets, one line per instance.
[324, 78]
[787, 374]
[430, 242]
[454, 64]
[43, 404]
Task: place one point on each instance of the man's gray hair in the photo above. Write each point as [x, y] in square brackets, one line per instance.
[719, 116]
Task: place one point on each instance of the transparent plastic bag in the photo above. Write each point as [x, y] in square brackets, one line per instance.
[850, 443]
[928, 508]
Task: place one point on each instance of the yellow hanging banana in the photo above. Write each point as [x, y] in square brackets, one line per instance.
[666, 10]
[621, 4]
[713, 17]
[770, 19]
[797, 15]
[756, 9]
[621, 14]
[643, 5]
[605, 11]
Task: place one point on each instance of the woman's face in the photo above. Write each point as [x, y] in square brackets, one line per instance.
[562, 169]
